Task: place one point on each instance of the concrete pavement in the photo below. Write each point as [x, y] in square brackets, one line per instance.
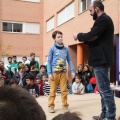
[87, 104]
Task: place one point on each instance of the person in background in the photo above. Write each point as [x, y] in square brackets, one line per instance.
[68, 116]
[13, 82]
[42, 70]
[44, 77]
[24, 58]
[40, 83]
[33, 69]
[78, 87]
[32, 58]
[1, 79]
[20, 76]
[31, 86]
[6, 73]
[7, 66]
[27, 68]
[17, 104]
[14, 64]
[101, 56]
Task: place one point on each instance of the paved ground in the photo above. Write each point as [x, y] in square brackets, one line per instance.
[87, 104]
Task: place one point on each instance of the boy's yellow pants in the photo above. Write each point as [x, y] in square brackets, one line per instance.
[59, 78]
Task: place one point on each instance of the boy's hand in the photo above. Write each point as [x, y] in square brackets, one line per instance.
[75, 36]
[51, 77]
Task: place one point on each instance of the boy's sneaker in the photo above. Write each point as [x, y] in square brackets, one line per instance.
[51, 110]
[65, 109]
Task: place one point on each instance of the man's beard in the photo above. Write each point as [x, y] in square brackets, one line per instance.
[95, 15]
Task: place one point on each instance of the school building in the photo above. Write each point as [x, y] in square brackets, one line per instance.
[27, 26]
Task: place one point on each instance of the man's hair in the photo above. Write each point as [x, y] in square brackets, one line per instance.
[55, 33]
[98, 4]
[17, 104]
[30, 76]
[32, 63]
[24, 57]
[42, 66]
[14, 56]
[31, 54]
[9, 58]
[68, 116]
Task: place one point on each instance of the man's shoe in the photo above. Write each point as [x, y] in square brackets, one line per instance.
[51, 110]
[109, 119]
[97, 118]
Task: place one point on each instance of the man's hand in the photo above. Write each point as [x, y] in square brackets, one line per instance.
[75, 36]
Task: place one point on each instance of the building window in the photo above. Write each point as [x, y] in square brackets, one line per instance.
[50, 24]
[31, 0]
[84, 5]
[16, 27]
[66, 14]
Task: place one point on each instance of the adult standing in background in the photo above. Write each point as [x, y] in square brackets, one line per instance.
[100, 41]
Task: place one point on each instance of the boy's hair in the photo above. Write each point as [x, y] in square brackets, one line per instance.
[17, 104]
[30, 76]
[98, 4]
[68, 116]
[55, 33]
[31, 54]
[21, 65]
[9, 58]
[42, 66]
[78, 76]
[44, 75]
[13, 81]
[32, 63]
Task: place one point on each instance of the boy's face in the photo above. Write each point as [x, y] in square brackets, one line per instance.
[44, 78]
[77, 80]
[42, 70]
[38, 79]
[59, 38]
[29, 82]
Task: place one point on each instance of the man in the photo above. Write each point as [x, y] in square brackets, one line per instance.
[17, 104]
[7, 66]
[100, 41]
[32, 58]
[24, 58]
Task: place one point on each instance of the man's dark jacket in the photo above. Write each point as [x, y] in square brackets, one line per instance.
[100, 41]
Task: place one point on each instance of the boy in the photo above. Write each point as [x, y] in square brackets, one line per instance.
[40, 84]
[78, 87]
[57, 57]
[31, 86]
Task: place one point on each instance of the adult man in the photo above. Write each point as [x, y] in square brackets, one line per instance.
[17, 104]
[7, 66]
[100, 41]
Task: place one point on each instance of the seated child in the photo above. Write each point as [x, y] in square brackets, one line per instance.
[78, 87]
[44, 77]
[31, 86]
[13, 82]
[40, 83]
[1, 79]
[46, 88]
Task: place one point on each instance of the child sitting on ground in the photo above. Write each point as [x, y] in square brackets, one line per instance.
[1, 79]
[13, 82]
[40, 83]
[78, 87]
[31, 86]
